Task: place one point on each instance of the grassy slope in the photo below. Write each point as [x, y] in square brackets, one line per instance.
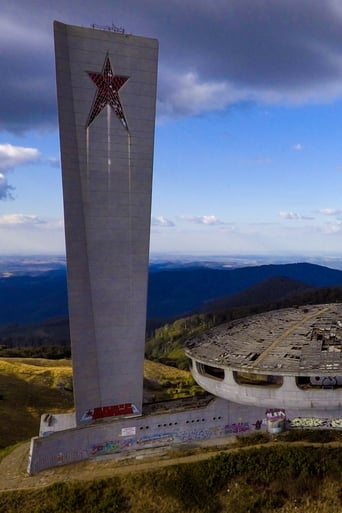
[28, 388]
[276, 478]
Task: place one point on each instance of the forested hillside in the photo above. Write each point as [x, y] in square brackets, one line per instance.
[166, 335]
[167, 342]
[173, 293]
[179, 292]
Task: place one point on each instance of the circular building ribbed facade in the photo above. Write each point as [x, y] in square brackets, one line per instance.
[290, 357]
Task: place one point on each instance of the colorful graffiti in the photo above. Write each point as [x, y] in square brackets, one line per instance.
[276, 418]
[111, 446]
[195, 434]
[275, 413]
[313, 422]
[258, 424]
[236, 427]
[156, 439]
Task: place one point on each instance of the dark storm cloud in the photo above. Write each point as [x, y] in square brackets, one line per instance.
[271, 51]
[26, 102]
[27, 83]
[264, 43]
[212, 53]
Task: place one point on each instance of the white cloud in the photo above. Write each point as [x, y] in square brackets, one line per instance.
[297, 147]
[186, 94]
[30, 234]
[332, 228]
[54, 162]
[289, 215]
[53, 224]
[183, 94]
[330, 211]
[12, 156]
[161, 221]
[294, 215]
[12, 220]
[252, 238]
[206, 220]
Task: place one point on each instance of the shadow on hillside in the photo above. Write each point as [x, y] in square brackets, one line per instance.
[21, 405]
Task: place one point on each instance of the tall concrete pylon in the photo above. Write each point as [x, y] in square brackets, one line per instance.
[106, 90]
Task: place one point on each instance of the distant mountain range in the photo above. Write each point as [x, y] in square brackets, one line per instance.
[178, 292]
[173, 293]
[28, 299]
[272, 290]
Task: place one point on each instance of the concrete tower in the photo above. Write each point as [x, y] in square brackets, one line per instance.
[106, 88]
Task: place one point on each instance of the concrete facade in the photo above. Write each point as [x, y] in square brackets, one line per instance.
[175, 424]
[291, 358]
[287, 395]
[106, 87]
[168, 427]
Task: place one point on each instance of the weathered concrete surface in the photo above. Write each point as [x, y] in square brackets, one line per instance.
[106, 86]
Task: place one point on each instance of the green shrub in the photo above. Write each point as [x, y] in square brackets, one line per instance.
[101, 496]
[257, 479]
[255, 438]
[314, 436]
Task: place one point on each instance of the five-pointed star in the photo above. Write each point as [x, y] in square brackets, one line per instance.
[108, 86]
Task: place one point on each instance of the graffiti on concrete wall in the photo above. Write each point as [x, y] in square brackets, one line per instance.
[258, 423]
[313, 422]
[155, 439]
[127, 439]
[236, 427]
[195, 434]
[214, 432]
[111, 446]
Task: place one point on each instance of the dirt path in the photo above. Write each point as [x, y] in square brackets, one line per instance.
[14, 474]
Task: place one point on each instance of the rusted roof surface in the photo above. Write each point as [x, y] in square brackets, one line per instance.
[303, 340]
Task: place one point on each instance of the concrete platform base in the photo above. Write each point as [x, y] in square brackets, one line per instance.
[174, 424]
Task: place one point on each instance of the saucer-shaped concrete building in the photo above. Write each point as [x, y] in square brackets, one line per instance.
[290, 357]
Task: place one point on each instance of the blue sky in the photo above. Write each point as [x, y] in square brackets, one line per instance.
[248, 155]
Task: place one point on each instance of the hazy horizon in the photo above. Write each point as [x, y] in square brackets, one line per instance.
[181, 259]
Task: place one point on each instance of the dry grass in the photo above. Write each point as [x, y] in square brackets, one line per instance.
[327, 501]
[162, 382]
[172, 485]
[158, 371]
[29, 388]
[240, 497]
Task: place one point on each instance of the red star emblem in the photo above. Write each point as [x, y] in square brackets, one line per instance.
[108, 86]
